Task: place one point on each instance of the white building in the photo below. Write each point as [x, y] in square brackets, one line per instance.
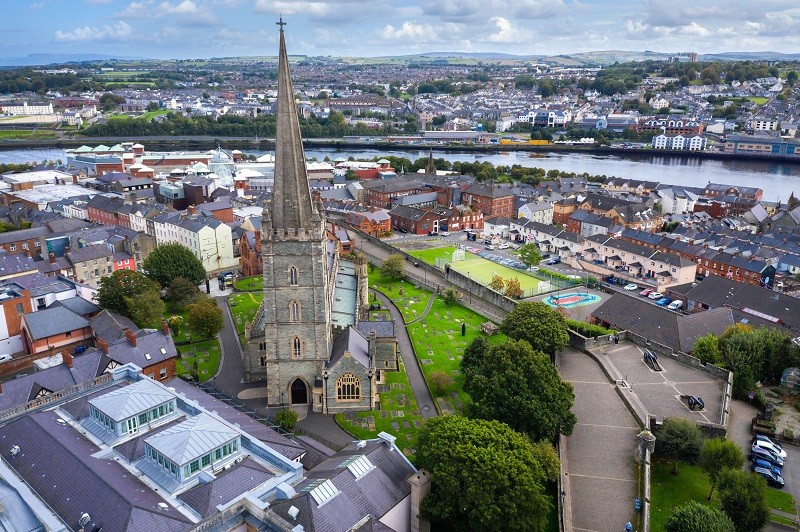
[25, 109]
[764, 124]
[537, 211]
[679, 142]
[209, 239]
[659, 103]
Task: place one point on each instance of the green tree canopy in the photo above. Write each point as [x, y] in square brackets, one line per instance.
[706, 348]
[485, 476]
[539, 325]
[694, 517]
[679, 439]
[514, 384]
[168, 261]
[718, 455]
[122, 284]
[742, 498]
[204, 319]
[146, 309]
[392, 267]
[182, 292]
[529, 254]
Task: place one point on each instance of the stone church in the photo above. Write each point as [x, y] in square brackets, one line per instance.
[304, 340]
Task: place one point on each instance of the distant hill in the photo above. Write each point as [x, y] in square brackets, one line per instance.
[750, 56]
[57, 59]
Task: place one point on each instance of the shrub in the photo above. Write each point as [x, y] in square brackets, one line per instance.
[588, 330]
[286, 419]
[440, 382]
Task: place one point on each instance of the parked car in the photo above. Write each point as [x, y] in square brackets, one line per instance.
[433, 233]
[630, 287]
[546, 256]
[5, 358]
[675, 305]
[599, 261]
[555, 260]
[763, 463]
[772, 479]
[504, 245]
[489, 247]
[445, 233]
[762, 437]
[655, 295]
[770, 447]
[759, 453]
[534, 268]
[663, 302]
[646, 292]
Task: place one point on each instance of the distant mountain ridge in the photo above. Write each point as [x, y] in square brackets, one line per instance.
[46, 59]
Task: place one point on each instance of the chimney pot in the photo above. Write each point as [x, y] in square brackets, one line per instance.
[103, 345]
[52, 257]
[130, 335]
[164, 327]
[67, 359]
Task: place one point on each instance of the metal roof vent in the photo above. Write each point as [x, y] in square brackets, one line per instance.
[293, 512]
[84, 519]
[15, 450]
[61, 421]
[163, 506]
[361, 444]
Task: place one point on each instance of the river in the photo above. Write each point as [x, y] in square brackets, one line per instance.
[777, 179]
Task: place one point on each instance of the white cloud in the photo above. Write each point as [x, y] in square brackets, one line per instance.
[693, 29]
[119, 31]
[185, 12]
[345, 11]
[410, 30]
[507, 32]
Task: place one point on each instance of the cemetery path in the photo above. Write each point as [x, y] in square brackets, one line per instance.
[425, 403]
[424, 312]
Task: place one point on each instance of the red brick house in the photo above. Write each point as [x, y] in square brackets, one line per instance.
[250, 253]
[54, 329]
[414, 221]
[492, 201]
[374, 222]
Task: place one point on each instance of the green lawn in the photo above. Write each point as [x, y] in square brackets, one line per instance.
[668, 491]
[205, 354]
[250, 284]
[27, 134]
[243, 308]
[758, 100]
[398, 415]
[480, 269]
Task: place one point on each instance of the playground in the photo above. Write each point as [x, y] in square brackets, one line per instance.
[572, 299]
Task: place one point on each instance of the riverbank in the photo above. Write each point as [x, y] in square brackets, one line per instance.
[251, 144]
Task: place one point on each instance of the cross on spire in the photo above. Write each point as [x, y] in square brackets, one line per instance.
[281, 23]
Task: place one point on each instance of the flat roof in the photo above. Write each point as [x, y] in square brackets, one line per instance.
[44, 194]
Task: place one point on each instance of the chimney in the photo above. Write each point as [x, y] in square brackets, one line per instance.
[373, 346]
[191, 209]
[52, 257]
[164, 327]
[28, 253]
[67, 359]
[420, 488]
[103, 345]
[130, 335]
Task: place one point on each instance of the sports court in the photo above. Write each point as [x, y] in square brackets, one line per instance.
[482, 270]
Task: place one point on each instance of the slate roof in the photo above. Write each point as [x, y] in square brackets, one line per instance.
[373, 494]
[14, 264]
[92, 252]
[409, 213]
[229, 484]
[58, 463]
[352, 341]
[78, 305]
[51, 321]
[383, 329]
[110, 326]
[23, 234]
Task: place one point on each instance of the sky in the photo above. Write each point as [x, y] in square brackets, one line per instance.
[165, 29]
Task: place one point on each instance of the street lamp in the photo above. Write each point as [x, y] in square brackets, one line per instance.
[283, 398]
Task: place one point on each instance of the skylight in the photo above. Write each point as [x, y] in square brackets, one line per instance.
[358, 465]
[324, 491]
[147, 356]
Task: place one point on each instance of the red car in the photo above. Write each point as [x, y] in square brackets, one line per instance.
[646, 292]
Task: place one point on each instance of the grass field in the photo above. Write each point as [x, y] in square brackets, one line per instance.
[205, 355]
[670, 491]
[758, 100]
[479, 269]
[243, 309]
[250, 284]
[27, 134]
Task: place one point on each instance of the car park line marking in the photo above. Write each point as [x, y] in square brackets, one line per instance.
[605, 426]
[585, 529]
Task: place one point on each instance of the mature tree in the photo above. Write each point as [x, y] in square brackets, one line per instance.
[286, 419]
[485, 476]
[182, 292]
[521, 387]
[541, 326]
[547, 457]
[706, 348]
[718, 455]
[742, 498]
[168, 261]
[679, 439]
[694, 517]
[450, 296]
[204, 319]
[392, 267]
[440, 381]
[745, 357]
[474, 354]
[497, 283]
[146, 310]
[513, 288]
[120, 285]
[529, 254]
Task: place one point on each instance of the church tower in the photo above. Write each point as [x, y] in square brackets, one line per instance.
[292, 328]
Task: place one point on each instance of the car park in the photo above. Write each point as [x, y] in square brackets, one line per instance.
[663, 302]
[630, 287]
[776, 481]
[770, 447]
[675, 305]
[759, 453]
[646, 292]
[655, 295]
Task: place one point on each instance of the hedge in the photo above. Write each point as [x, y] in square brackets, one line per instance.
[587, 329]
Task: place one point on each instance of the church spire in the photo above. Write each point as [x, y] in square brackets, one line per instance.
[292, 207]
[430, 168]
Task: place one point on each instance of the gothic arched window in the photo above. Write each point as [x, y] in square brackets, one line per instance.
[293, 275]
[348, 388]
[297, 348]
[294, 311]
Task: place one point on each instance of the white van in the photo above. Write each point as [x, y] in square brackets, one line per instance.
[5, 358]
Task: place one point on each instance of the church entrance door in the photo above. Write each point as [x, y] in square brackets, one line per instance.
[299, 392]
